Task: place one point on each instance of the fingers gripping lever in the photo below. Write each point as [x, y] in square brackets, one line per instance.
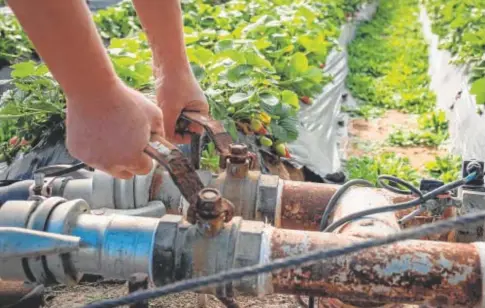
[181, 171]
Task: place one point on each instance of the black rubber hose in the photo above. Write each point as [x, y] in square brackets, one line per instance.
[400, 206]
[392, 179]
[335, 198]
[15, 191]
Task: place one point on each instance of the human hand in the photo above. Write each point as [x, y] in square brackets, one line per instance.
[110, 131]
[175, 95]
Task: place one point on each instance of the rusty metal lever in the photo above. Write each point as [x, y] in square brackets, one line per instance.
[181, 171]
[215, 129]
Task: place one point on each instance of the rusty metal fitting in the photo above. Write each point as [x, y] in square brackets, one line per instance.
[182, 252]
[238, 163]
[209, 203]
[239, 153]
[212, 211]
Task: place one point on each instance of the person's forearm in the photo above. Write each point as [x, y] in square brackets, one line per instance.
[162, 21]
[65, 37]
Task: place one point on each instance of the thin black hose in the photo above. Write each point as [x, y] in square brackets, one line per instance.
[329, 210]
[335, 198]
[400, 206]
[392, 179]
[67, 170]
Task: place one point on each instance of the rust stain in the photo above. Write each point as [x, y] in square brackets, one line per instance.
[303, 203]
[437, 273]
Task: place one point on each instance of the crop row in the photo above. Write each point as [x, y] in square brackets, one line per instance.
[460, 25]
[388, 62]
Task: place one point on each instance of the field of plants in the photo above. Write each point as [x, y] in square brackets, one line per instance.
[260, 61]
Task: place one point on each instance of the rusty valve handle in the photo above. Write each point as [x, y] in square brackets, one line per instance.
[216, 132]
[215, 129]
[180, 169]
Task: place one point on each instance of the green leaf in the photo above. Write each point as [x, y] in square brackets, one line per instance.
[262, 43]
[231, 128]
[224, 45]
[278, 132]
[238, 98]
[269, 99]
[235, 73]
[290, 98]
[23, 69]
[299, 63]
[290, 124]
[478, 89]
[198, 71]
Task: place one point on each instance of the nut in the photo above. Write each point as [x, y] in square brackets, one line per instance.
[239, 153]
[209, 203]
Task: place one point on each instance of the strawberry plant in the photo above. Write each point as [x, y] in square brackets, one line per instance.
[433, 130]
[369, 168]
[33, 109]
[14, 44]
[388, 60]
[461, 28]
[446, 168]
[117, 21]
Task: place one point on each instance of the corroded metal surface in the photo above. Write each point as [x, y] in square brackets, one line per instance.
[215, 129]
[212, 211]
[354, 200]
[181, 170]
[303, 203]
[440, 274]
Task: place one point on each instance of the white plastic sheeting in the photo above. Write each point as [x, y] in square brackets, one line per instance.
[467, 127]
[317, 146]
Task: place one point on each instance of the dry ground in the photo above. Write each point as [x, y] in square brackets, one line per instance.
[369, 136]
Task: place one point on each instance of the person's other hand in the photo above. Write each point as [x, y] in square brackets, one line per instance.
[110, 131]
[176, 94]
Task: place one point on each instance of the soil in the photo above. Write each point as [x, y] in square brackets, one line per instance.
[369, 136]
[82, 294]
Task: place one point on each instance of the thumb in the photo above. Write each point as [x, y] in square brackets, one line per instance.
[155, 118]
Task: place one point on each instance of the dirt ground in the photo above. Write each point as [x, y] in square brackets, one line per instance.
[80, 295]
[369, 136]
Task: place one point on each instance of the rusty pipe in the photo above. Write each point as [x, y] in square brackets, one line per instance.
[354, 200]
[357, 199]
[16, 294]
[438, 273]
[303, 203]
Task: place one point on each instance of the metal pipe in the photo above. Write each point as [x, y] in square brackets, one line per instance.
[358, 199]
[168, 249]
[303, 204]
[441, 274]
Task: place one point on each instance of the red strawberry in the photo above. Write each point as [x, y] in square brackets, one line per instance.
[13, 141]
[306, 100]
[24, 142]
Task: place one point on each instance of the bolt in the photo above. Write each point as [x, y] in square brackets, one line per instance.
[209, 203]
[239, 153]
[239, 149]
